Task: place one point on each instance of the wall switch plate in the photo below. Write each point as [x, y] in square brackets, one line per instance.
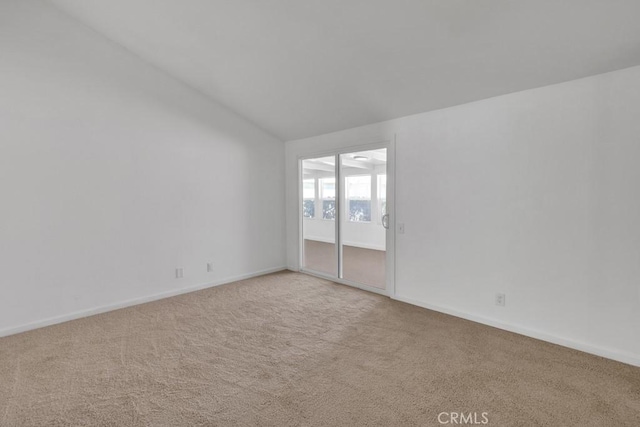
[401, 228]
[209, 267]
[179, 273]
[500, 300]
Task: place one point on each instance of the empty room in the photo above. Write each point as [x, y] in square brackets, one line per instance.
[319, 213]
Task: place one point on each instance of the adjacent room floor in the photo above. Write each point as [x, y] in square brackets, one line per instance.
[289, 349]
[360, 265]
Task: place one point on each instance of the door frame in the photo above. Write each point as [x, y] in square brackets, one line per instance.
[390, 267]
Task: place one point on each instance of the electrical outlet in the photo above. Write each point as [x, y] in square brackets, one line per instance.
[500, 300]
[179, 273]
[209, 267]
[401, 228]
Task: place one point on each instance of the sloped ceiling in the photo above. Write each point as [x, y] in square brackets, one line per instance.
[299, 68]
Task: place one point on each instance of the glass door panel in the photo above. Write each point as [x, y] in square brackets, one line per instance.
[319, 215]
[363, 219]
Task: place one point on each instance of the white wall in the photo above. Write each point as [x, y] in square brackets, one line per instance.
[534, 194]
[112, 174]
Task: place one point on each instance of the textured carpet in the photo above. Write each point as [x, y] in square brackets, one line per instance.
[289, 349]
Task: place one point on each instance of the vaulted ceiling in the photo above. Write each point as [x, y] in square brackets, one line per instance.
[298, 68]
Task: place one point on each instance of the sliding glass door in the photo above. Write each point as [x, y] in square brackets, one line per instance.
[345, 217]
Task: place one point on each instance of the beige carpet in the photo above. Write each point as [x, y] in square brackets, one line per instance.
[288, 349]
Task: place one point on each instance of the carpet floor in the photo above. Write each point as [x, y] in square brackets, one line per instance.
[288, 349]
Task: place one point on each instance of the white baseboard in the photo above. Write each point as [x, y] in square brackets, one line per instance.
[628, 358]
[128, 303]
